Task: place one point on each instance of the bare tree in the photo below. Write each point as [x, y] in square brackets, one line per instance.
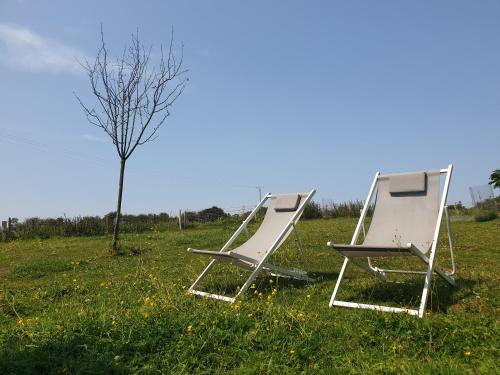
[133, 99]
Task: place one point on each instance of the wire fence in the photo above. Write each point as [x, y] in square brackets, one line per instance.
[83, 226]
[481, 194]
[187, 218]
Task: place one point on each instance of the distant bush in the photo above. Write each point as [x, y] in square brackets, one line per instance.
[343, 209]
[489, 204]
[213, 213]
[89, 225]
[312, 211]
[485, 216]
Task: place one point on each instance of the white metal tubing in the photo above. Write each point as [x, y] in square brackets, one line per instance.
[363, 216]
[428, 276]
[380, 275]
[453, 265]
[337, 285]
[299, 243]
[202, 275]
[275, 243]
[363, 225]
[230, 241]
[365, 209]
[211, 295]
[404, 271]
[430, 261]
[363, 212]
[448, 227]
[437, 269]
[354, 237]
[375, 307]
[257, 268]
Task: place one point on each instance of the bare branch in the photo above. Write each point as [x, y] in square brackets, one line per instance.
[133, 98]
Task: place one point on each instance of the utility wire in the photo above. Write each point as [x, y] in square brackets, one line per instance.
[11, 138]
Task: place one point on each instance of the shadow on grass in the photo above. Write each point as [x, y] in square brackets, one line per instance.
[322, 277]
[441, 298]
[59, 356]
[262, 284]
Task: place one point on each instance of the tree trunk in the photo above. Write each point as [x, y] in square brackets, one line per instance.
[118, 208]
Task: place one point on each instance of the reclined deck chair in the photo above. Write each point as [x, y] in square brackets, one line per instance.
[406, 220]
[282, 215]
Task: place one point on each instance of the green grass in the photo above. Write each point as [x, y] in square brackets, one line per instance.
[65, 307]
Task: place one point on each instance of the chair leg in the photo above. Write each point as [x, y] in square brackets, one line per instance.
[436, 269]
[249, 281]
[450, 242]
[202, 275]
[425, 291]
[339, 280]
[299, 244]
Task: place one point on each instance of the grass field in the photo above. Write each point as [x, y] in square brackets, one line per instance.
[66, 307]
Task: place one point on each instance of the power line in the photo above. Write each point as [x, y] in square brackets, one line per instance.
[12, 138]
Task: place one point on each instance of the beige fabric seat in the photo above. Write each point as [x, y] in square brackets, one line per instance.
[404, 216]
[279, 213]
[406, 219]
[283, 212]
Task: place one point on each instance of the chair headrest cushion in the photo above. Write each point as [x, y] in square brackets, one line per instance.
[407, 183]
[287, 202]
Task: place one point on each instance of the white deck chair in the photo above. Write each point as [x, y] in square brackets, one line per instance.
[282, 215]
[406, 220]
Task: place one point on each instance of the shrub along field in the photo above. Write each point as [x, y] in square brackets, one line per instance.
[66, 307]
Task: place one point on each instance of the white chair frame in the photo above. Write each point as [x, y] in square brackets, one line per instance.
[381, 273]
[261, 265]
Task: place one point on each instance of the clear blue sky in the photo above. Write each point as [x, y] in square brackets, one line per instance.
[287, 95]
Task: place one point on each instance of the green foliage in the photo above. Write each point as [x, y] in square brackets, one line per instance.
[312, 211]
[40, 268]
[67, 308]
[209, 214]
[343, 209]
[495, 179]
[90, 225]
[485, 216]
